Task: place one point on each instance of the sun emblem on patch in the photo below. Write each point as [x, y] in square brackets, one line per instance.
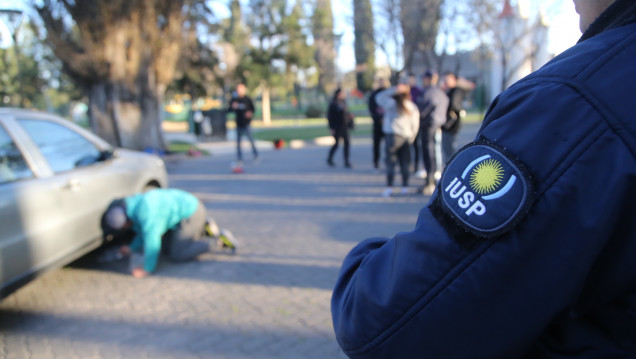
[487, 176]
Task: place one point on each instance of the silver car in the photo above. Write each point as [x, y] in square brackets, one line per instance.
[56, 180]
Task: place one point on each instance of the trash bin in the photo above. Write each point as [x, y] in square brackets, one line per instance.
[216, 119]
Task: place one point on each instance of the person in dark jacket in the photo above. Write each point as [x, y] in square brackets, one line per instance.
[526, 249]
[433, 105]
[377, 114]
[454, 115]
[243, 107]
[416, 94]
[340, 122]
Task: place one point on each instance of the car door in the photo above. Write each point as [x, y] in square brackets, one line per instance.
[85, 179]
[29, 209]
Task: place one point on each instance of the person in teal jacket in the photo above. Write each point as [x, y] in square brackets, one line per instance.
[171, 221]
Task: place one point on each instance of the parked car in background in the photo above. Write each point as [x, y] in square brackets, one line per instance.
[56, 179]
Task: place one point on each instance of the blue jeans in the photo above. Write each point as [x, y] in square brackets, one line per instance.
[239, 134]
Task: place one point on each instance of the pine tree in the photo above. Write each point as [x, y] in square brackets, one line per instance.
[325, 55]
[364, 44]
[420, 23]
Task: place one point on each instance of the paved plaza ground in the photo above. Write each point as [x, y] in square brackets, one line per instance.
[296, 219]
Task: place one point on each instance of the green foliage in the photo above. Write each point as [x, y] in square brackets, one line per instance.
[195, 69]
[420, 24]
[364, 44]
[313, 111]
[306, 132]
[325, 54]
[20, 81]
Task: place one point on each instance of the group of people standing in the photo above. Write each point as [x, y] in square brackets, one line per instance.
[407, 115]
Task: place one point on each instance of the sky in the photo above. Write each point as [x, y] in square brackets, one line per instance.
[563, 30]
[562, 19]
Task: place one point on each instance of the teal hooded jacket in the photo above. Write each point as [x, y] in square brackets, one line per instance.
[153, 214]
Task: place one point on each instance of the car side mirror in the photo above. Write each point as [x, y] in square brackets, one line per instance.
[106, 155]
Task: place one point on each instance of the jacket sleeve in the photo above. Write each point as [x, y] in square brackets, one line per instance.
[331, 116]
[384, 99]
[440, 292]
[229, 106]
[426, 105]
[455, 99]
[371, 104]
[414, 116]
[250, 105]
[151, 227]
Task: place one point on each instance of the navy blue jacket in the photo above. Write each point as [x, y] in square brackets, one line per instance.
[528, 247]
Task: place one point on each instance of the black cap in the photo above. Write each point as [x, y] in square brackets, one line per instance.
[429, 73]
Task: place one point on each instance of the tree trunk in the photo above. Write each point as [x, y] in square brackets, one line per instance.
[125, 119]
[100, 112]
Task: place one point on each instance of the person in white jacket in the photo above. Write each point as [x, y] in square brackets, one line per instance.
[401, 123]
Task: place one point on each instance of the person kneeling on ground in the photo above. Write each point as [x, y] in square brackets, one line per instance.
[171, 221]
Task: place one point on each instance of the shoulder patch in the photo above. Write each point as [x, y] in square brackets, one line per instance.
[485, 190]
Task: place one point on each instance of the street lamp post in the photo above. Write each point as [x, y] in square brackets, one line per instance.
[13, 20]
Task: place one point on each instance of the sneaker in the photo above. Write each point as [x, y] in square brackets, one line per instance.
[420, 174]
[348, 165]
[211, 228]
[330, 163]
[404, 190]
[227, 240]
[387, 192]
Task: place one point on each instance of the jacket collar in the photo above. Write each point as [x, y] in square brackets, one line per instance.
[620, 13]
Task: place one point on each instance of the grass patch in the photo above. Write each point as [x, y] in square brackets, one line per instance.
[178, 147]
[310, 128]
[304, 133]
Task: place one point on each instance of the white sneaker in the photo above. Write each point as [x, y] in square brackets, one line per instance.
[420, 174]
[227, 240]
[404, 190]
[438, 175]
[387, 192]
[211, 228]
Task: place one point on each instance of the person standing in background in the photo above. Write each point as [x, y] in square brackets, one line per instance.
[454, 115]
[401, 123]
[433, 106]
[243, 108]
[340, 122]
[377, 114]
[416, 93]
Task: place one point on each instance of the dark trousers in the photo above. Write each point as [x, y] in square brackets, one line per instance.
[345, 137]
[429, 151]
[377, 139]
[187, 240]
[240, 132]
[449, 145]
[416, 151]
[398, 150]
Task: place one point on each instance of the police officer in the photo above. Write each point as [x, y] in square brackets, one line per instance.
[527, 247]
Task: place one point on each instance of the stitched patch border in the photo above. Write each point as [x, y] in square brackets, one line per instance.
[485, 189]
